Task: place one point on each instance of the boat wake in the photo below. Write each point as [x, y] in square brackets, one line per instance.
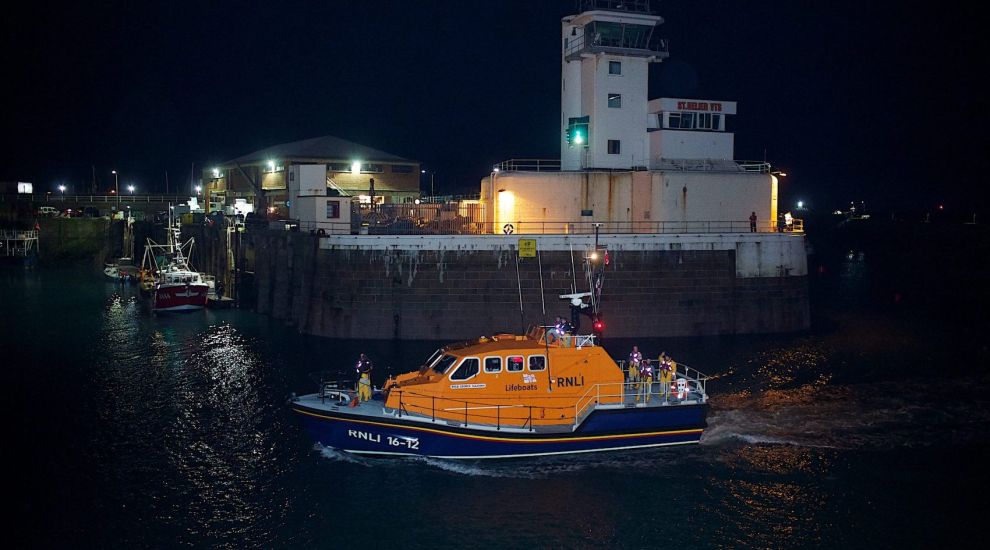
[865, 416]
[341, 456]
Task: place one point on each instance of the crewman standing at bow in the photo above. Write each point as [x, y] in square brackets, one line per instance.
[364, 367]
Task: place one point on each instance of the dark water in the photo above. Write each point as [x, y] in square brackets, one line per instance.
[133, 430]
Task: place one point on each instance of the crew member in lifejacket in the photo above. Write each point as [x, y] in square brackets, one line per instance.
[666, 372]
[635, 358]
[364, 367]
[645, 381]
[564, 330]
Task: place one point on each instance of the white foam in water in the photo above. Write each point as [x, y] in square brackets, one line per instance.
[340, 456]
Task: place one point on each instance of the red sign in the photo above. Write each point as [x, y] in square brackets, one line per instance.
[699, 106]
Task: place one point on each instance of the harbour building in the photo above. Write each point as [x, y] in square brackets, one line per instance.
[351, 169]
[628, 163]
[646, 213]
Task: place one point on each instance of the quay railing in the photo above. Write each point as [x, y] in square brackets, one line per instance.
[465, 226]
[99, 199]
[528, 165]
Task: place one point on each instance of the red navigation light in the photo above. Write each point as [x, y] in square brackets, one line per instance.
[599, 325]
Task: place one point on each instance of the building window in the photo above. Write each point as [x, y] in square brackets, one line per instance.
[614, 67]
[514, 364]
[614, 101]
[537, 362]
[333, 210]
[695, 121]
[366, 168]
[402, 169]
[493, 364]
[613, 147]
[467, 370]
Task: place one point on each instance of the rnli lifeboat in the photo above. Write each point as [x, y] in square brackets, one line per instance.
[509, 396]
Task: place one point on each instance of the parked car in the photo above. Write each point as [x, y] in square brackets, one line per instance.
[47, 211]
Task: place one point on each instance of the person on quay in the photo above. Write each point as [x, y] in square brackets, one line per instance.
[645, 381]
[364, 367]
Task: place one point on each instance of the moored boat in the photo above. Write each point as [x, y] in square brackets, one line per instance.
[172, 282]
[122, 270]
[510, 396]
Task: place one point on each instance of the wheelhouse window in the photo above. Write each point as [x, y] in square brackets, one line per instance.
[467, 369]
[614, 101]
[493, 364]
[537, 362]
[613, 147]
[514, 364]
[615, 67]
[444, 363]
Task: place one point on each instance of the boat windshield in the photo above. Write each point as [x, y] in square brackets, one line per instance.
[444, 363]
[433, 359]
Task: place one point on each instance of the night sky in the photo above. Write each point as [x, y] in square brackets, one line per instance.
[855, 100]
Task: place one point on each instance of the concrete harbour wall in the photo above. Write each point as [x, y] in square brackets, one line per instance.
[452, 287]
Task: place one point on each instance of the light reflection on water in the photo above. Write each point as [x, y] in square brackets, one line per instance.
[188, 428]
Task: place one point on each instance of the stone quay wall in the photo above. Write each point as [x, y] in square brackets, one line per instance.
[459, 287]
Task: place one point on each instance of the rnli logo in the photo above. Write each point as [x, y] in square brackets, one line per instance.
[529, 379]
[570, 381]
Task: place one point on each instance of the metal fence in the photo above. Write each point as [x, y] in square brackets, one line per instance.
[59, 198]
[460, 225]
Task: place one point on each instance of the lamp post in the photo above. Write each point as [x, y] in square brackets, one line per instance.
[431, 179]
[116, 185]
[61, 189]
[130, 189]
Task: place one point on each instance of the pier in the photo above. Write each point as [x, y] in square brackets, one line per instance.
[18, 243]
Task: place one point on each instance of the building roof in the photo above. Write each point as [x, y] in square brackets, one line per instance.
[323, 148]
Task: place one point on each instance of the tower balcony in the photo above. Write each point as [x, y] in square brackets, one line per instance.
[628, 6]
[606, 37]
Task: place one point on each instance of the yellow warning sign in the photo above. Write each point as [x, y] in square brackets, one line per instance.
[527, 248]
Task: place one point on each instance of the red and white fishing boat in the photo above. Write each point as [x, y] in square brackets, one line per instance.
[177, 286]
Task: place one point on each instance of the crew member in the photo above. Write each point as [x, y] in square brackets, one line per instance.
[363, 368]
[645, 381]
[666, 372]
[752, 222]
[635, 358]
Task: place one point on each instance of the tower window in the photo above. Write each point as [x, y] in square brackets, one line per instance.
[614, 101]
[613, 147]
[614, 67]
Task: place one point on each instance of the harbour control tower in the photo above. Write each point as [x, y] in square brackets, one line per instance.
[606, 52]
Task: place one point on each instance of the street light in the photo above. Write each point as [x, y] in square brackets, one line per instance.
[198, 189]
[116, 184]
[131, 189]
[61, 189]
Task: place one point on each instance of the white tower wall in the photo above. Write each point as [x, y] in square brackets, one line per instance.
[587, 84]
